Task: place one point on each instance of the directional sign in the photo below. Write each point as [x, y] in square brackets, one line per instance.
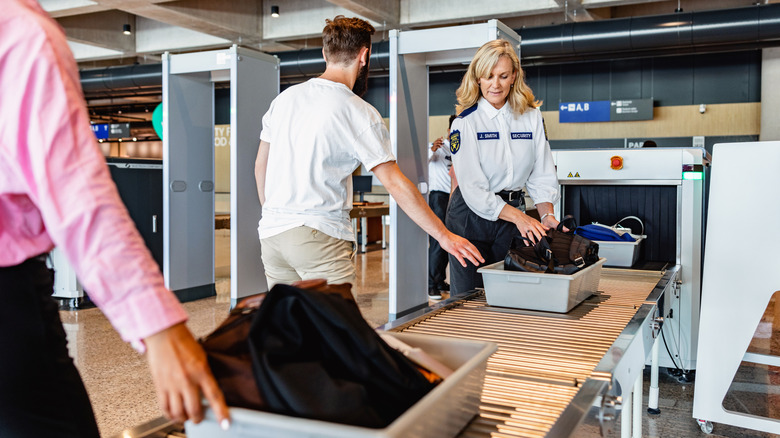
[636, 109]
[605, 111]
[578, 112]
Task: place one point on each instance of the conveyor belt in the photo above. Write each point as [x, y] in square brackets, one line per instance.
[543, 358]
[549, 367]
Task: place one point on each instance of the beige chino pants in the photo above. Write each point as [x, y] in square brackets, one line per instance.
[304, 253]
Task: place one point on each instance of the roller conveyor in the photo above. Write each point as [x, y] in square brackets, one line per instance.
[551, 368]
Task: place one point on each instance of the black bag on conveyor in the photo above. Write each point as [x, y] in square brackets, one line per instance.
[313, 355]
[556, 253]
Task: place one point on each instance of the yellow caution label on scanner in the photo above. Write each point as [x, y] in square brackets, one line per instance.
[576, 175]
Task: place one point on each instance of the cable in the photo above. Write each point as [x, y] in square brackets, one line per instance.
[669, 352]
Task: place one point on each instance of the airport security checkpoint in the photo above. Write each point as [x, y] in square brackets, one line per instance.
[654, 138]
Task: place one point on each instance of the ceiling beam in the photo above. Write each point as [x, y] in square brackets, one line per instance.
[101, 29]
[575, 10]
[66, 8]
[387, 12]
[237, 21]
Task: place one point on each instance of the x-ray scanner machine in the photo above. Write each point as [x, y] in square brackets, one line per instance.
[188, 167]
[411, 54]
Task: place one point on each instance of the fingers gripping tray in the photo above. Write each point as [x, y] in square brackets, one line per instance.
[545, 292]
[457, 396]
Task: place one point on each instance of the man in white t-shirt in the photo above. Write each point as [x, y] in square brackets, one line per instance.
[315, 134]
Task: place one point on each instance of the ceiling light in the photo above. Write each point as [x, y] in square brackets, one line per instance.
[126, 29]
[275, 11]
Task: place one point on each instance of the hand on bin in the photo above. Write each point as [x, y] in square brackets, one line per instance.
[181, 374]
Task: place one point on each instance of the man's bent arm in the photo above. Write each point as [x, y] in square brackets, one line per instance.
[261, 164]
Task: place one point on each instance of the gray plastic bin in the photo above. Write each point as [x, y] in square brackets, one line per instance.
[532, 291]
[443, 412]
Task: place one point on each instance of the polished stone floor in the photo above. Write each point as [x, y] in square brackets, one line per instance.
[122, 393]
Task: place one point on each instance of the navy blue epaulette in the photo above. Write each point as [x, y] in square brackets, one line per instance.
[467, 111]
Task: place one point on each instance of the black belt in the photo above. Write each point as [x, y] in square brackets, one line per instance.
[515, 198]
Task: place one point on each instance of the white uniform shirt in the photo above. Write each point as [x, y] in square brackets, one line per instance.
[319, 133]
[439, 164]
[495, 150]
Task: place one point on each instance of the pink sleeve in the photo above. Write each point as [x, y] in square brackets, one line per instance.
[69, 182]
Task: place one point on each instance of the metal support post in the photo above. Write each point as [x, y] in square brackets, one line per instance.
[637, 399]
[652, 400]
[625, 415]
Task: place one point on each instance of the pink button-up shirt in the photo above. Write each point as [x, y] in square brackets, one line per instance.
[55, 187]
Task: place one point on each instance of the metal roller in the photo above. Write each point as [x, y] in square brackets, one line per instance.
[543, 358]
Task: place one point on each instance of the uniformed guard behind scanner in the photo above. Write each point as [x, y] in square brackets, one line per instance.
[439, 183]
[499, 145]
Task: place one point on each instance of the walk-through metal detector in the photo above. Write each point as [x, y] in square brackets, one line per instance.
[188, 167]
[411, 53]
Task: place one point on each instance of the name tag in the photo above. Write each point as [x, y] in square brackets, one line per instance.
[522, 136]
[487, 135]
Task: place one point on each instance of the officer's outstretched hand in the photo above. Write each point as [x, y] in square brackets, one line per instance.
[462, 249]
[182, 376]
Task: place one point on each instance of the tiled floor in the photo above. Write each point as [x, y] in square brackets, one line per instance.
[123, 395]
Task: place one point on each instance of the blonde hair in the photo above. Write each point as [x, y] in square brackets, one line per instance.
[520, 97]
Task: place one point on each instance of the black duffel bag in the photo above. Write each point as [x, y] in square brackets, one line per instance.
[556, 253]
[306, 351]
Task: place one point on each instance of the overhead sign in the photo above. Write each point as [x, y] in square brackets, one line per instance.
[100, 130]
[579, 112]
[635, 109]
[605, 111]
[119, 130]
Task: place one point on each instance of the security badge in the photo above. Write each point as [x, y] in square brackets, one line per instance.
[454, 141]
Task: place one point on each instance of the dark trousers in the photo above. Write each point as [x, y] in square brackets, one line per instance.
[492, 239]
[41, 392]
[437, 257]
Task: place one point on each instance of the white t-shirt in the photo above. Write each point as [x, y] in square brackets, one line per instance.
[319, 133]
[496, 149]
[439, 164]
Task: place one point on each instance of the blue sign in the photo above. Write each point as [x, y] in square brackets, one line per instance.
[578, 112]
[101, 131]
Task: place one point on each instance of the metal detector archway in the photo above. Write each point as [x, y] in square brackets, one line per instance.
[411, 53]
[188, 167]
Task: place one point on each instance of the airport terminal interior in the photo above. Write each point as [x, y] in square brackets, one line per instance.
[664, 111]
[123, 396]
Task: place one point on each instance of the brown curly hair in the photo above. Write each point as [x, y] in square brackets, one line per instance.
[342, 38]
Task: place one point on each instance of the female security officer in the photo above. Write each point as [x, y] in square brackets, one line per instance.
[498, 144]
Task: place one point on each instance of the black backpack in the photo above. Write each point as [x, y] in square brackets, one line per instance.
[555, 253]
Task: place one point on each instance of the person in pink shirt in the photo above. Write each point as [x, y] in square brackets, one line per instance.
[55, 189]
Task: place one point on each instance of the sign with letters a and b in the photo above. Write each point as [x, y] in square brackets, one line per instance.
[605, 111]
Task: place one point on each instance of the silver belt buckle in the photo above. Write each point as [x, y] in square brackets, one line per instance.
[511, 196]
